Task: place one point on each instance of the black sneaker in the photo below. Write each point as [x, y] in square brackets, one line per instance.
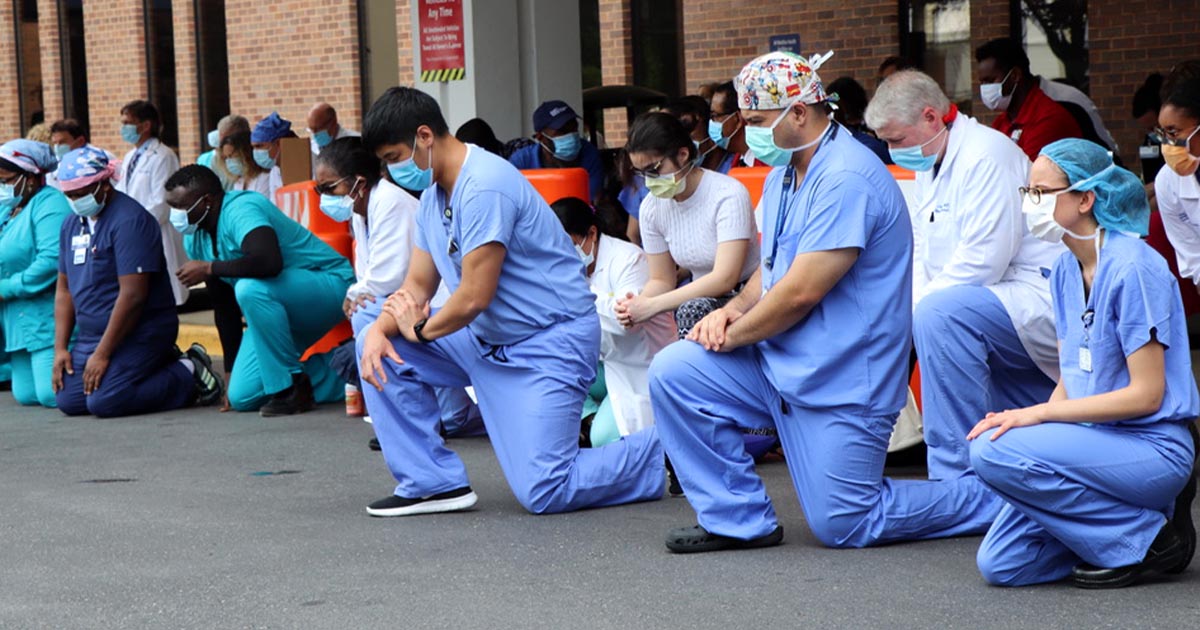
[374, 445]
[296, 399]
[452, 501]
[1165, 553]
[1182, 520]
[210, 387]
[673, 487]
[697, 539]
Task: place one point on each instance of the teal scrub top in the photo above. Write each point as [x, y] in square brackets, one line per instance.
[244, 211]
[29, 270]
[206, 158]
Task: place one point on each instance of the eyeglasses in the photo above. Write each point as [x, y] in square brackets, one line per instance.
[1171, 138]
[12, 181]
[327, 189]
[1035, 194]
[651, 171]
[721, 118]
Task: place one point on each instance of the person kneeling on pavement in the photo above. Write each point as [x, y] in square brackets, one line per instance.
[113, 284]
[287, 282]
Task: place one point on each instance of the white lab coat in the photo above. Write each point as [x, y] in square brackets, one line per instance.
[384, 239]
[1061, 92]
[145, 184]
[261, 184]
[968, 229]
[1179, 205]
[623, 268]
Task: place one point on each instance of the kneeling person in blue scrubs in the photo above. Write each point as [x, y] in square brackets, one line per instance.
[288, 283]
[113, 285]
[520, 326]
[1099, 480]
[815, 346]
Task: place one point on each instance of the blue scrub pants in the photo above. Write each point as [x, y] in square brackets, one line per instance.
[284, 316]
[31, 377]
[702, 401]
[144, 376]
[1095, 494]
[531, 394]
[460, 415]
[972, 362]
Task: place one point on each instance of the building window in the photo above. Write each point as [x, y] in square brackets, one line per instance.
[160, 65]
[657, 46]
[1055, 36]
[74, 60]
[936, 37]
[29, 64]
[212, 65]
[589, 43]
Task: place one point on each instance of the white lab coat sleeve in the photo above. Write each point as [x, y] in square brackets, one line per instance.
[629, 276]
[387, 252]
[990, 228]
[161, 170]
[1180, 228]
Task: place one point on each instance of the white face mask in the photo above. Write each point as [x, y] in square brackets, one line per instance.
[1039, 217]
[992, 94]
[587, 257]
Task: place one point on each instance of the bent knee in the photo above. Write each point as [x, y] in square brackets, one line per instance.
[665, 365]
[994, 570]
[251, 289]
[844, 531]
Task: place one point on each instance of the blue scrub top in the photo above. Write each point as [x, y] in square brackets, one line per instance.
[29, 270]
[245, 211]
[852, 349]
[1133, 296]
[631, 197]
[126, 240]
[542, 280]
[530, 157]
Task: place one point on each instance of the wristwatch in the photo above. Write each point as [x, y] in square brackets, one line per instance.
[418, 327]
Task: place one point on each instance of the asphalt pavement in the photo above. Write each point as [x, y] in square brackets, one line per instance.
[197, 519]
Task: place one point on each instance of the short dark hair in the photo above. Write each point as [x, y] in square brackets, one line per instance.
[143, 111]
[1147, 99]
[897, 62]
[476, 131]
[852, 98]
[395, 116]
[195, 178]
[694, 106]
[1180, 72]
[659, 133]
[729, 91]
[348, 157]
[575, 215]
[1186, 96]
[69, 126]
[1007, 53]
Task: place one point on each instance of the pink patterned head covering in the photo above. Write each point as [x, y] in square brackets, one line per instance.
[779, 79]
[83, 167]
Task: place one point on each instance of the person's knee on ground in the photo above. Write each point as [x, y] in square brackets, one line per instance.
[995, 569]
[252, 291]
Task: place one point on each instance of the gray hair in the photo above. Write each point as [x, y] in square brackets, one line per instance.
[232, 124]
[902, 97]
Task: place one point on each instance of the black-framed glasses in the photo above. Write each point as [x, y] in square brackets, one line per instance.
[651, 171]
[1171, 138]
[1034, 193]
[327, 189]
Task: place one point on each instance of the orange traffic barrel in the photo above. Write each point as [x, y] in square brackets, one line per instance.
[555, 183]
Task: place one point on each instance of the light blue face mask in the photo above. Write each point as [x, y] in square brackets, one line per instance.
[761, 141]
[179, 219]
[235, 166]
[408, 175]
[86, 206]
[566, 148]
[8, 197]
[913, 158]
[214, 139]
[129, 133]
[61, 150]
[262, 157]
[337, 207]
[715, 130]
[322, 138]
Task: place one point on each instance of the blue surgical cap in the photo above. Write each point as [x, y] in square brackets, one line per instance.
[1121, 203]
[29, 155]
[270, 128]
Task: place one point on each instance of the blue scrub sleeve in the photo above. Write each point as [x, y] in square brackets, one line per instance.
[1145, 302]
[419, 239]
[1059, 298]
[486, 217]
[523, 158]
[137, 246]
[838, 215]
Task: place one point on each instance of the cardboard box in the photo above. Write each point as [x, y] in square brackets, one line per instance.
[295, 160]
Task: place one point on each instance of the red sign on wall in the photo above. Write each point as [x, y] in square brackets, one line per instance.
[442, 40]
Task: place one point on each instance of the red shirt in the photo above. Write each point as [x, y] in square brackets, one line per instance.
[1039, 122]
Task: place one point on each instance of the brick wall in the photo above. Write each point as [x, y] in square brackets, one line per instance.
[616, 61]
[115, 39]
[989, 20]
[52, 80]
[10, 113]
[404, 42]
[286, 55]
[186, 87]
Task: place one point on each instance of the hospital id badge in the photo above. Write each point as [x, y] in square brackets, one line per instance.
[80, 255]
[79, 244]
[1085, 359]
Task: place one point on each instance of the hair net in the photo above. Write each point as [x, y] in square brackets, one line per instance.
[83, 167]
[779, 79]
[32, 156]
[270, 128]
[1121, 203]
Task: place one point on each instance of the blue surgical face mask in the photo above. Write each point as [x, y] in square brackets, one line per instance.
[61, 150]
[337, 207]
[214, 139]
[129, 133]
[761, 141]
[235, 166]
[8, 198]
[322, 138]
[716, 131]
[88, 205]
[567, 147]
[262, 157]
[179, 219]
[913, 158]
[408, 175]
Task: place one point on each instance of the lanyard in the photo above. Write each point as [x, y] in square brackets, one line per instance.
[786, 195]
